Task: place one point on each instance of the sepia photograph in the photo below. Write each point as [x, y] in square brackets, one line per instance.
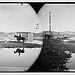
[37, 37]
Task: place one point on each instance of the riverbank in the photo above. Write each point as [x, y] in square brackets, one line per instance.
[15, 44]
[53, 56]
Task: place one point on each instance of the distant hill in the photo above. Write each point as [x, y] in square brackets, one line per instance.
[68, 32]
[65, 33]
[1, 33]
[10, 36]
[34, 34]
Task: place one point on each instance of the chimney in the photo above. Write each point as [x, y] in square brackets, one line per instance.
[49, 22]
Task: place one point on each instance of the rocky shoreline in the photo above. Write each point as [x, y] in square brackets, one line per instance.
[53, 57]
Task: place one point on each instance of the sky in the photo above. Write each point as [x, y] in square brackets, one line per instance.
[18, 18]
[62, 17]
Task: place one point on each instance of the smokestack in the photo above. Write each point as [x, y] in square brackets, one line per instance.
[49, 22]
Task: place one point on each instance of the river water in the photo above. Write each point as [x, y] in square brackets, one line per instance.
[10, 61]
[71, 64]
[71, 61]
[73, 38]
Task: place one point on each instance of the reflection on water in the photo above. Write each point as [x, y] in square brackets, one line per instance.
[18, 50]
[73, 38]
[71, 63]
[25, 60]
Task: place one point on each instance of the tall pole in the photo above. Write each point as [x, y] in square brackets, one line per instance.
[49, 22]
